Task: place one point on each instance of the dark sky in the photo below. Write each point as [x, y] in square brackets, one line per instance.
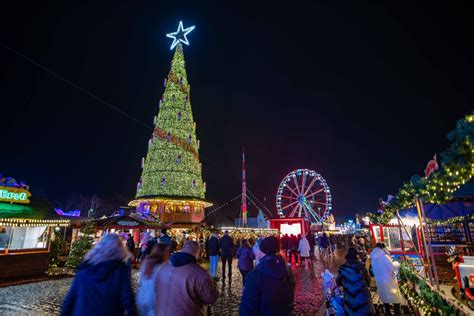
[362, 93]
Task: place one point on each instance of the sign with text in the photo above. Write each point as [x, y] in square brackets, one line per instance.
[14, 195]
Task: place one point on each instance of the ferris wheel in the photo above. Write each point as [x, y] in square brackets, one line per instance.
[304, 193]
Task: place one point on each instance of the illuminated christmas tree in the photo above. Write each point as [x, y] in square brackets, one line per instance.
[171, 184]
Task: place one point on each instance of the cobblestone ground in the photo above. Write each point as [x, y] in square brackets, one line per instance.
[45, 298]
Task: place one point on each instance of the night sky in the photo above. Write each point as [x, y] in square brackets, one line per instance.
[362, 93]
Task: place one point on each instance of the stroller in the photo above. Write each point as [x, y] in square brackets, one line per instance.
[332, 294]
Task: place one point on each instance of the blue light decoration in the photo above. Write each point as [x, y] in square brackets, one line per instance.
[75, 213]
[180, 35]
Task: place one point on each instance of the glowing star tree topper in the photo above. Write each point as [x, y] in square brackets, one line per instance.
[180, 35]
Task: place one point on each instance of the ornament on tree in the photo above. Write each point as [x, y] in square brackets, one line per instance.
[143, 162]
[163, 181]
[164, 83]
[179, 116]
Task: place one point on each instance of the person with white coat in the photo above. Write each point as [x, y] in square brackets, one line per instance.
[304, 249]
[384, 269]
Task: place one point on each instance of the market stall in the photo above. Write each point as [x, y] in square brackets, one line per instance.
[26, 228]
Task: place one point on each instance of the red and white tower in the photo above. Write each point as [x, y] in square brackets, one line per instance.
[244, 191]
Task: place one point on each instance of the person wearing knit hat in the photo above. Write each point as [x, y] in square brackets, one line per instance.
[270, 288]
[270, 245]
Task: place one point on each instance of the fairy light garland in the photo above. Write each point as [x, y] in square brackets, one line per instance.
[221, 206]
[263, 205]
[21, 222]
[457, 168]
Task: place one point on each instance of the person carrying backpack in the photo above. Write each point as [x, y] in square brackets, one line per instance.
[270, 288]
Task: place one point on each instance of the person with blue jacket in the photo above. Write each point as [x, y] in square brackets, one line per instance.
[102, 285]
[270, 288]
[246, 257]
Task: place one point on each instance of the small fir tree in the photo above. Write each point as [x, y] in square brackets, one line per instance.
[57, 248]
[81, 246]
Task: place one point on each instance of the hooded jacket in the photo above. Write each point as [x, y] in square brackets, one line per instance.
[354, 278]
[384, 269]
[100, 289]
[269, 289]
[183, 287]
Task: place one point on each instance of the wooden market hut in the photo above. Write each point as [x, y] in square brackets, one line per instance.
[26, 228]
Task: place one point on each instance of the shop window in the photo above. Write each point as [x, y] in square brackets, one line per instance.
[23, 237]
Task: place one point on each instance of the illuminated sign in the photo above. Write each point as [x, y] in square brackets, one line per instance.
[75, 213]
[14, 195]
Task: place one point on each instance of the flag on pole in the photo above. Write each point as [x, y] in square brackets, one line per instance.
[431, 167]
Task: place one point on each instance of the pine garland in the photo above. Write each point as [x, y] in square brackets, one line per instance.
[457, 167]
[424, 299]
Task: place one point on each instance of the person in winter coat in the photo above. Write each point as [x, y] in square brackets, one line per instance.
[324, 245]
[149, 269]
[165, 238]
[285, 243]
[304, 249]
[183, 287]
[102, 284]
[355, 280]
[131, 244]
[227, 252]
[294, 244]
[312, 244]
[360, 247]
[256, 250]
[270, 288]
[384, 269]
[246, 257]
[213, 249]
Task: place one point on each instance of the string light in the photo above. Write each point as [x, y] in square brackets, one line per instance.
[225, 204]
[21, 222]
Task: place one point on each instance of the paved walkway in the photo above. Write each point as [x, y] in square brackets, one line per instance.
[45, 297]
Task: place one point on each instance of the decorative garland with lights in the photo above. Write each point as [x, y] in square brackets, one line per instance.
[22, 222]
[457, 167]
[422, 297]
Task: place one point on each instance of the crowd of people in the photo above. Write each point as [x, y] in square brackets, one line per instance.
[175, 283]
